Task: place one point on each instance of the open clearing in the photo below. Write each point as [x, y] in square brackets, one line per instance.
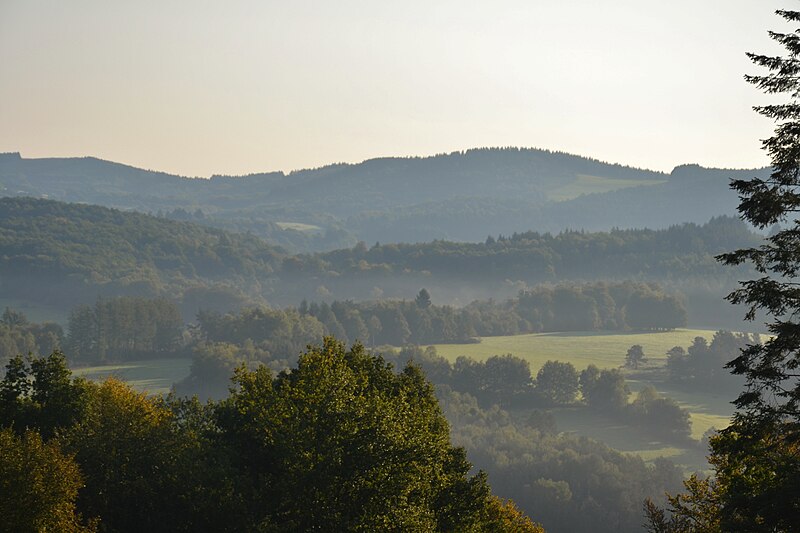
[152, 376]
[628, 439]
[706, 410]
[607, 350]
[585, 184]
[604, 349]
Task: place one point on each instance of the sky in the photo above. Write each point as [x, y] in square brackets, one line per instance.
[197, 87]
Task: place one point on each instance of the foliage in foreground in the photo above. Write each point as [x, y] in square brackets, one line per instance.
[38, 485]
[757, 458]
[341, 442]
[573, 483]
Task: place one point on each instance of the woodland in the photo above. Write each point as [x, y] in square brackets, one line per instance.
[315, 397]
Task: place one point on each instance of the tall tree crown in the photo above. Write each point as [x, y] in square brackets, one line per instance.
[771, 368]
[756, 457]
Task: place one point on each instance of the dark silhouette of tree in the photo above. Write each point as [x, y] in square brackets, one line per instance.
[773, 390]
[557, 382]
[13, 318]
[423, 299]
[756, 457]
[635, 356]
[604, 389]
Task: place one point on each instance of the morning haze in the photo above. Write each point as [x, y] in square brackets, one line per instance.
[453, 266]
[198, 88]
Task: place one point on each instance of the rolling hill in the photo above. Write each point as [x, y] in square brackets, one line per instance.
[61, 254]
[461, 196]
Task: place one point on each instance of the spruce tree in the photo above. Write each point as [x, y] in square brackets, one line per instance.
[757, 458]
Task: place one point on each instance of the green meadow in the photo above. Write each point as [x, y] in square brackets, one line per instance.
[628, 439]
[606, 350]
[585, 184]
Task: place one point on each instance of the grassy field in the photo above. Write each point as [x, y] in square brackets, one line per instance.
[152, 376]
[606, 350]
[706, 410]
[585, 184]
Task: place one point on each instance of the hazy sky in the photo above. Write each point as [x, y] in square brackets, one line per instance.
[202, 87]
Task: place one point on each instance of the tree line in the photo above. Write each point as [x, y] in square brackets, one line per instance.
[20, 336]
[680, 250]
[129, 328]
[564, 307]
[702, 364]
[124, 328]
[503, 380]
[59, 254]
[507, 381]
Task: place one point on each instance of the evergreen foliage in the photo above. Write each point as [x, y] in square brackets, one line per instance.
[755, 459]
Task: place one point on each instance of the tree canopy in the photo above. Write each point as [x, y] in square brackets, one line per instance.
[341, 442]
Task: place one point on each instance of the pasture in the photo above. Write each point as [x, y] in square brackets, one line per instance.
[604, 349]
[585, 184]
[607, 350]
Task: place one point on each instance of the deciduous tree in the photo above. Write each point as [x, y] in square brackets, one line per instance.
[343, 443]
[38, 485]
[557, 382]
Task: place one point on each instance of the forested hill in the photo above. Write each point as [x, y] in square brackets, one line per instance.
[58, 254]
[678, 252]
[462, 196]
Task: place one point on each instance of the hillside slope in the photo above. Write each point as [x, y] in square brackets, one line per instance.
[461, 196]
[62, 254]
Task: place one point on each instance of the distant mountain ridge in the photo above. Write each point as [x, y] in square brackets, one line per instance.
[459, 196]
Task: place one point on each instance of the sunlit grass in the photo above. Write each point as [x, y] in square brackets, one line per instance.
[707, 409]
[606, 350]
[585, 184]
[629, 439]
